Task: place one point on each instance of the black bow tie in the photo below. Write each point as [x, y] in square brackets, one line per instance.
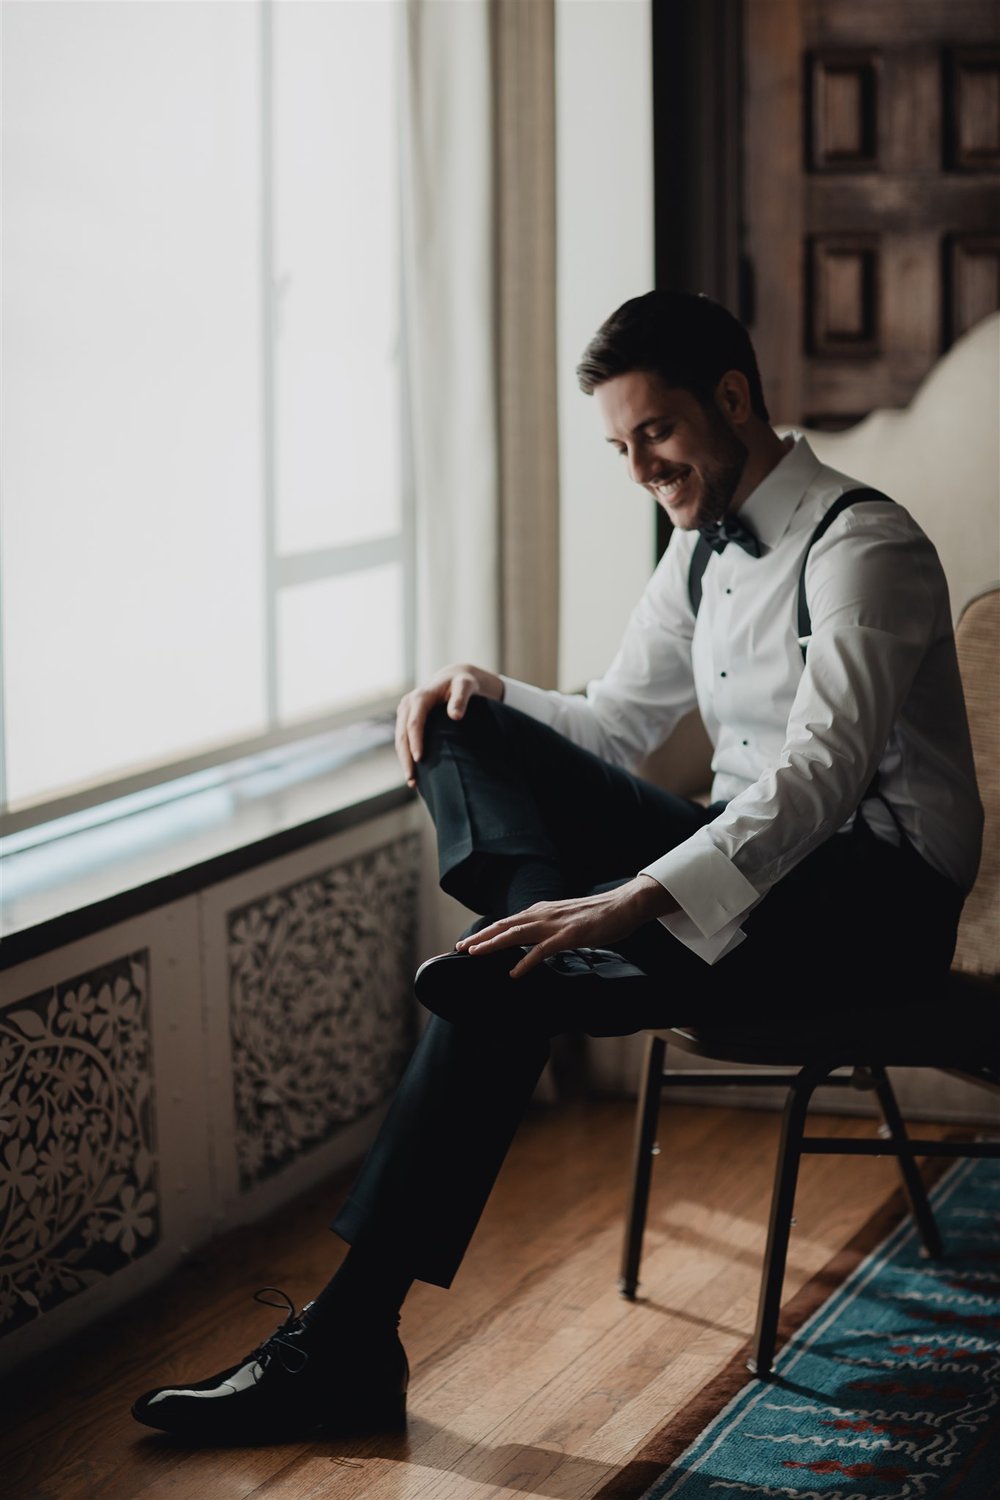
[731, 529]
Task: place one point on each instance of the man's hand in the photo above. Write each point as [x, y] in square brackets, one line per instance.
[452, 685]
[582, 922]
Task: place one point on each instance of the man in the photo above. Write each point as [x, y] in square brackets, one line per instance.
[829, 869]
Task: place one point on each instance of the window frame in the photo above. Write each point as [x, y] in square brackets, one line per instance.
[279, 571]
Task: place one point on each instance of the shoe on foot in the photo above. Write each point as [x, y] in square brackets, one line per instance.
[452, 976]
[293, 1385]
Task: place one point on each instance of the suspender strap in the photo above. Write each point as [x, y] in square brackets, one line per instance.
[696, 569]
[852, 497]
[702, 553]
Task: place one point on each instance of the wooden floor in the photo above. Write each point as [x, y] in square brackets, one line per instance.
[531, 1376]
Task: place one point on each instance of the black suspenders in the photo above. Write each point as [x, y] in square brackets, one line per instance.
[702, 552]
[699, 562]
[852, 497]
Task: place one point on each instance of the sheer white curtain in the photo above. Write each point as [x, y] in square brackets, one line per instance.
[448, 236]
[479, 254]
[524, 35]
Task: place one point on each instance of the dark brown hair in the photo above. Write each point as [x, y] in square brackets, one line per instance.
[686, 338]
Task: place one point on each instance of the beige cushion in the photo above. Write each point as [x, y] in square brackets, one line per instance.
[978, 640]
[683, 763]
[940, 458]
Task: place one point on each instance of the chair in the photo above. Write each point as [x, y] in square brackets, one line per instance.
[967, 1047]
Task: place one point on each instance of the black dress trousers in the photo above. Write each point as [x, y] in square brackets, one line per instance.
[858, 922]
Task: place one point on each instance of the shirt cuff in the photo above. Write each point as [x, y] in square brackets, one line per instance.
[713, 896]
[711, 949]
[531, 700]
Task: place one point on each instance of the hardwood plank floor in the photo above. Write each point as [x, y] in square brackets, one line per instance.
[530, 1376]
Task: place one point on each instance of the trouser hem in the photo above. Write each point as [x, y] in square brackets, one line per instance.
[350, 1227]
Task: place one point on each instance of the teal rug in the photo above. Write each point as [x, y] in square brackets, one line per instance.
[889, 1391]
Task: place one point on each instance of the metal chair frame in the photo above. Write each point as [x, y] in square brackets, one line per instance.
[820, 1070]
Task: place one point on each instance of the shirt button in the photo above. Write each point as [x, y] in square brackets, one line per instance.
[722, 674]
[729, 591]
[744, 742]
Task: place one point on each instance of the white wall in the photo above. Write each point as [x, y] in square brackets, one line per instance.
[605, 255]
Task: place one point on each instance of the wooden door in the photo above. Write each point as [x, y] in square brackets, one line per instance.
[871, 194]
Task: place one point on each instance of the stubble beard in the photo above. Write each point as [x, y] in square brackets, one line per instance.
[720, 478]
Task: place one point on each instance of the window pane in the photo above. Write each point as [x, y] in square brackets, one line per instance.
[133, 580]
[336, 252]
[340, 640]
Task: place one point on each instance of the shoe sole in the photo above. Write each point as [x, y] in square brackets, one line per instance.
[390, 1416]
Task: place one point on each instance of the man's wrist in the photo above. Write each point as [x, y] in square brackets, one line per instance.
[652, 899]
[491, 684]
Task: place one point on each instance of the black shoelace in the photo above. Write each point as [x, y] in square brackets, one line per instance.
[291, 1357]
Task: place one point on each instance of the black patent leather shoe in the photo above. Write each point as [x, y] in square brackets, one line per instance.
[451, 977]
[292, 1386]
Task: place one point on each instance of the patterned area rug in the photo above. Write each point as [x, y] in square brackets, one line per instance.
[890, 1390]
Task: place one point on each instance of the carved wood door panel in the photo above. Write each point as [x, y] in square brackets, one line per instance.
[871, 194]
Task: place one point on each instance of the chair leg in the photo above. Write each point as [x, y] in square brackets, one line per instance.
[912, 1181]
[647, 1112]
[779, 1227]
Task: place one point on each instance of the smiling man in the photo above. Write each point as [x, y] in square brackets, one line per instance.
[808, 618]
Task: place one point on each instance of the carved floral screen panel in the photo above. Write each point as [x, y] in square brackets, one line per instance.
[79, 1195]
[321, 1019]
[128, 1134]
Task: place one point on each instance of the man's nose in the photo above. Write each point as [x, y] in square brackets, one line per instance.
[641, 466]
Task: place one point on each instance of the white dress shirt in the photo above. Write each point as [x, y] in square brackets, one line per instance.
[794, 749]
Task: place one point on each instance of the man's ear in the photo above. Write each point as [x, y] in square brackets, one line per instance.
[732, 397]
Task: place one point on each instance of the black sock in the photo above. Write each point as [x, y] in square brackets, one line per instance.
[518, 883]
[366, 1291]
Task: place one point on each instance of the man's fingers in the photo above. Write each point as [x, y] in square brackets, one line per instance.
[420, 707]
[540, 941]
[415, 735]
[538, 954]
[453, 689]
[502, 927]
[410, 718]
[547, 927]
[527, 963]
[490, 938]
[403, 752]
[458, 698]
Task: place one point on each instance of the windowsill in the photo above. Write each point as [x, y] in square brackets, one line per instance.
[63, 890]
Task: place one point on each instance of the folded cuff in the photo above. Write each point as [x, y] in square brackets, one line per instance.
[711, 949]
[713, 896]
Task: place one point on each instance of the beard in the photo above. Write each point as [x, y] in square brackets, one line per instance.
[721, 475]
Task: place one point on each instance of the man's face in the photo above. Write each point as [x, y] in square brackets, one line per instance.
[685, 454]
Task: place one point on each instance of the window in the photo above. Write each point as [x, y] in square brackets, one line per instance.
[205, 542]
